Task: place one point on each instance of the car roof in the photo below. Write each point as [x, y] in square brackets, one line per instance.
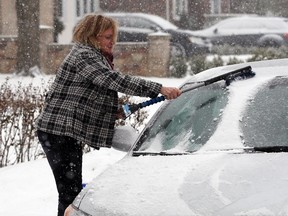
[255, 18]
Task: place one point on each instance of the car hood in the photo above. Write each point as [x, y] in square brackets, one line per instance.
[205, 184]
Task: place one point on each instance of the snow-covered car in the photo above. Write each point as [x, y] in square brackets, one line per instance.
[248, 31]
[135, 27]
[220, 149]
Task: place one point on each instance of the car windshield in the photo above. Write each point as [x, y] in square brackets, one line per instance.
[165, 24]
[187, 122]
[265, 120]
[144, 21]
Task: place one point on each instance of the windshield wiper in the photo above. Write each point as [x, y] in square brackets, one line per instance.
[267, 149]
[270, 149]
[163, 153]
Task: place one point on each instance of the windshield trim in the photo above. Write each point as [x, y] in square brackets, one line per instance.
[266, 149]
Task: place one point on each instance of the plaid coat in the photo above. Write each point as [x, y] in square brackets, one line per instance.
[83, 100]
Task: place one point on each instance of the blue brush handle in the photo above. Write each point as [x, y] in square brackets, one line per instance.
[151, 102]
[129, 109]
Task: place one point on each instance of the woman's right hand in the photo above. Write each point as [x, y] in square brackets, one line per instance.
[170, 92]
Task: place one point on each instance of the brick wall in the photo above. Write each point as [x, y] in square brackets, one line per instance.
[141, 59]
[131, 58]
[8, 54]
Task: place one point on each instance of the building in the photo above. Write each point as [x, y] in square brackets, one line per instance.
[70, 11]
[8, 17]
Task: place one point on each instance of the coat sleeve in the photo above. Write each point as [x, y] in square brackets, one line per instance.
[92, 67]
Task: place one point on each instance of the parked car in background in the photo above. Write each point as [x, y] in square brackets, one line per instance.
[135, 27]
[216, 150]
[248, 31]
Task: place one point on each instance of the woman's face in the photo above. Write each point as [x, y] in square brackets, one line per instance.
[106, 41]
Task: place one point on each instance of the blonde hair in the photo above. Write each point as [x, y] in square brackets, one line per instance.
[91, 26]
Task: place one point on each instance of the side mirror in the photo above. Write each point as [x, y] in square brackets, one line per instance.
[124, 138]
[215, 31]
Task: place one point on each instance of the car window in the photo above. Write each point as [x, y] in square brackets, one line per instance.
[122, 21]
[265, 120]
[253, 24]
[187, 122]
[242, 24]
[228, 25]
[276, 24]
[142, 23]
[136, 22]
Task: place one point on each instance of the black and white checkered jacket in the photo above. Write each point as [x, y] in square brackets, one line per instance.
[83, 100]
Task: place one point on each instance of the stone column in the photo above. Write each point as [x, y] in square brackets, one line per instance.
[46, 38]
[158, 54]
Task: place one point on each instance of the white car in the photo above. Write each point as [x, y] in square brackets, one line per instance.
[248, 31]
[217, 150]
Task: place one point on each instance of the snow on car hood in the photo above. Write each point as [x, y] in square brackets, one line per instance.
[214, 183]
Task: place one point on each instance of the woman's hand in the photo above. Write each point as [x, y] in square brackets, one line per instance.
[68, 210]
[170, 92]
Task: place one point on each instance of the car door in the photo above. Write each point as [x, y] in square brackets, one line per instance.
[243, 32]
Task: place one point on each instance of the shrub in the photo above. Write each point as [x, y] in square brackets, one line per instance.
[231, 50]
[269, 53]
[19, 108]
[234, 60]
[198, 64]
[178, 67]
[217, 61]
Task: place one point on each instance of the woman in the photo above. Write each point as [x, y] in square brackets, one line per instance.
[82, 103]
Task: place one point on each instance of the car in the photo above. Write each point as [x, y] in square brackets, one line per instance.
[128, 34]
[219, 149]
[248, 31]
[135, 27]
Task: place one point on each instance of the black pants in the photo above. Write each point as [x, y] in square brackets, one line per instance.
[64, 155]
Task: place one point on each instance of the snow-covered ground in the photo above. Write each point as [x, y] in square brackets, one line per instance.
[28, 189]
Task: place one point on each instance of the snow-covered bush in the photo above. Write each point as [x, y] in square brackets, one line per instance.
[19, 108]
[227, 55]
[269, 53]
[178, 67]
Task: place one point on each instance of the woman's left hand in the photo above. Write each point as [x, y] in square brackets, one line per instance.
[170, 92]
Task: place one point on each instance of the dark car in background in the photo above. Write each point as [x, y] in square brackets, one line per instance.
[248, 31]
[135, 27]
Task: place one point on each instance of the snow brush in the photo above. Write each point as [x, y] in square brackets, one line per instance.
[241, 73]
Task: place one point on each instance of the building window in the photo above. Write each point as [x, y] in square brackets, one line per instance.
[60, 8]
[86, 6]
[180, 7]
[92, 6]
[78, 8]
[215, 6]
